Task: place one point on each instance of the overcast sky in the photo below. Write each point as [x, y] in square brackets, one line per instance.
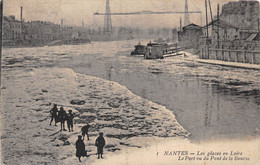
[75, 11]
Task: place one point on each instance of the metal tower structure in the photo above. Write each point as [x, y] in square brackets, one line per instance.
[107, 20]
[186, 16]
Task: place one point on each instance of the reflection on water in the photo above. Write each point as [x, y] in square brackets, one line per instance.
[209, 101]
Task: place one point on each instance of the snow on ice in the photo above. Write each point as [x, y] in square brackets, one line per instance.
[29, 94]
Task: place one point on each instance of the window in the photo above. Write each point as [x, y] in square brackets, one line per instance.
[225, 33]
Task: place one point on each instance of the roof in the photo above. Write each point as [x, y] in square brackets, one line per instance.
[10, 19]
[139, 45]
[222, 23]
[192, 26]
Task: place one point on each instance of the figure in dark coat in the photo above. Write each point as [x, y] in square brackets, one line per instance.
[100, 143]
[62, 116]
[70, 120]
[53, 113]
[80, 148]
[84, 131]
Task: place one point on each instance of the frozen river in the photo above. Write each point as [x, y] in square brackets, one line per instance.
[211, 102]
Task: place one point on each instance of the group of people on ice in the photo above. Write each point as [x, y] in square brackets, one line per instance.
[62, 116]
[80, 146]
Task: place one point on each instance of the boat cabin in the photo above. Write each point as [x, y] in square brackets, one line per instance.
[154, 51]
[139, 49]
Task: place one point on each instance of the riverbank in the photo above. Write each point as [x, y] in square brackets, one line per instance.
[127, 120]
[196, 58]
[27, 44]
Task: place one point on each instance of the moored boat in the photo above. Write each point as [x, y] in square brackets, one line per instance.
[139, 49]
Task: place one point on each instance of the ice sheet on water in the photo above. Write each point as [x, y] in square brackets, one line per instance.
[111, 108]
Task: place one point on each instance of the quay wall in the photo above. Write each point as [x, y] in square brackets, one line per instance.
[235, 51]
[242, 56]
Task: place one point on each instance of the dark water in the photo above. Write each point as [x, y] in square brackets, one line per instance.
[209, 101]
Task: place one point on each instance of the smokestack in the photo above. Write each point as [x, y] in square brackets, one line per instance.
[186, 15]
[61, 23]
[180, 24]
[21, 17]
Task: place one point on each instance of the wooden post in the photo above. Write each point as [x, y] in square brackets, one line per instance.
[216, 54]
[245, 57]
[253, 58]
[1, 40]
[229, 59]
[222, 54]
[258, 25]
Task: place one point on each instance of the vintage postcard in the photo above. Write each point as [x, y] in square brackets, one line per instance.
[130, 82]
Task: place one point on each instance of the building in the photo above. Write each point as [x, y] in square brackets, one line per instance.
[243, 14]
[227, 42]
[190, 33]
[34, 32]
[220, 30]
[11, 28]
[42, 32]
[235, 36]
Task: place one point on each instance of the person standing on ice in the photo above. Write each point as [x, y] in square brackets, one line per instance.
[84, 131]
[100, 143]
[53, 113]
[62, 116]
[70, 121]
[80, 148]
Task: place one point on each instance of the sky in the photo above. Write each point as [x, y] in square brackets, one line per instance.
[75, 11]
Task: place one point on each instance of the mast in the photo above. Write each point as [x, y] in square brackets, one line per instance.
[211, 14]
[207, 18]
[207, 39]
[187, 16]
[1, 39]
[218, 25]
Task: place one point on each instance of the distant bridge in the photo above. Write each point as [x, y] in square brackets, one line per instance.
[108, 14]
[148, 12]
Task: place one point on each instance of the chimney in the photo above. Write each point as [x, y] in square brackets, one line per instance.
[180, 24]
[21, 17]
[61, 23]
